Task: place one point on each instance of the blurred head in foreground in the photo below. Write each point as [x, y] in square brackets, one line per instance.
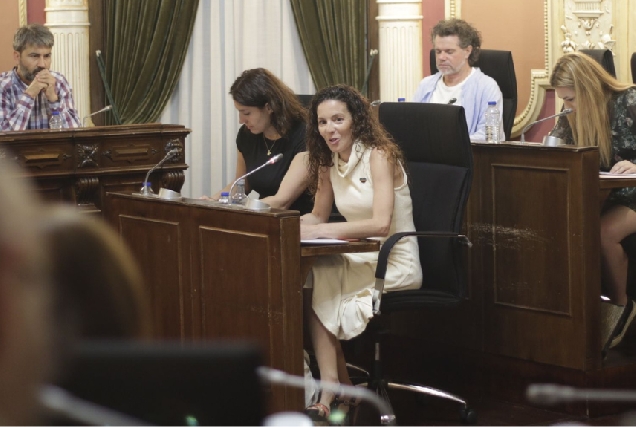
[26, 329]
[99, 290]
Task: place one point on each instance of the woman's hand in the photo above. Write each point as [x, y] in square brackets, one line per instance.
[624, 166]
[310, 231]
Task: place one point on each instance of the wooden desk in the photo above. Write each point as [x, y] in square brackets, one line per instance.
[80, 165]
[533, 310]
[216, 272]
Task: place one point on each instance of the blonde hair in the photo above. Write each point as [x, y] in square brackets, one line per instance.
[593, 88]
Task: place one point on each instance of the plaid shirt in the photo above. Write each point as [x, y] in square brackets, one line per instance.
[18, 111]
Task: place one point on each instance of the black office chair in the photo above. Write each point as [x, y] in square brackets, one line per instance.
[603, 57]
[497, 64]
[632, 64]
[436, 145]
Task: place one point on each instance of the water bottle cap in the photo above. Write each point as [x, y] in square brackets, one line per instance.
[401, 99]
[492, 102]
[225, 193]
[147, 184]
[55, 113]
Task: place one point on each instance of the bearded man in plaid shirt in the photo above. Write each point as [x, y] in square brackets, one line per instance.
[31, 92]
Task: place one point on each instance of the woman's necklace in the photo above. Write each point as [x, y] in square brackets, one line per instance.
[269, 149]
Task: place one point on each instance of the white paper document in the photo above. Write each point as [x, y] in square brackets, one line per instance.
[607, 175]
[322, 241]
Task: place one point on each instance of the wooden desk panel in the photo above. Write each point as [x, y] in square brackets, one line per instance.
[542, 271]
[220, 273]
[80, 165]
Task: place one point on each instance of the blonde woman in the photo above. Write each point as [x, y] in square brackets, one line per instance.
[604, 116]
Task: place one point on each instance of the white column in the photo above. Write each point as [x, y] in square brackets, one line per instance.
[400, 40]
[68, 21]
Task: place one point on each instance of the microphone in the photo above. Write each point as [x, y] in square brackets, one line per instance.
[145, 191]
[452, 101]
[550, 394]
[59, 401]
[274, 376]
[528, 126]
[271, 161]
[106, 108]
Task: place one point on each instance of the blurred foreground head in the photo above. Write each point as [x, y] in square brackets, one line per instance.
[98, 287]
[25, 301]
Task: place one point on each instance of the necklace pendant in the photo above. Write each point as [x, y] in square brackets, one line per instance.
[269, 152]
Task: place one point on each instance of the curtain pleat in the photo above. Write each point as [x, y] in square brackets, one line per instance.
[332, 33]
[146, 44]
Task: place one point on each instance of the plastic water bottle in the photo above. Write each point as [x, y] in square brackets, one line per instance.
[55, 122]
[225, 198]
[493, 123]
[239, 197]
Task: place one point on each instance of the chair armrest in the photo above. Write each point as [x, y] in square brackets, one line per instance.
[385, 250]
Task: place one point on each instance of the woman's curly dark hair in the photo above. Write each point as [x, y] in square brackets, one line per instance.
[366, 129]
[258, 87]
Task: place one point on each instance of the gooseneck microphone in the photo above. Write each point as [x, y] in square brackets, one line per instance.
[145, 191]
[551, 394]
[528, 126]
[271, 161]
[106, 108]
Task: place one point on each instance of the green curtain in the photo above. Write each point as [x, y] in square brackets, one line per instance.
[146, 44]
[332, 33]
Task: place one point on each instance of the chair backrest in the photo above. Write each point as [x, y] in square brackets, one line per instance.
[305, 100]
[436, 145]
[603, 57]
[633, 67]
[497, 64]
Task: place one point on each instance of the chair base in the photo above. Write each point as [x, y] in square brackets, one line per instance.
[381, 387]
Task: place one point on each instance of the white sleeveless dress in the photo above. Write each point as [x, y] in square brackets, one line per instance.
[343, 284]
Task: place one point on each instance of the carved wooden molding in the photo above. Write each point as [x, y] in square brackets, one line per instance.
[173, 180]
[131, 153]
[86, 189]
[87, 155]
[42, 158]
[539, 77]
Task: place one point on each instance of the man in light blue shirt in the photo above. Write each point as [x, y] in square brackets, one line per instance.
[457, 45]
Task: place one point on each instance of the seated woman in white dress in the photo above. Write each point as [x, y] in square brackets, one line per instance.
[352, 161]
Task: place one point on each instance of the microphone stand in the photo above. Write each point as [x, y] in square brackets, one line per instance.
[106, 108]
[271, 161]
[144, 190]
[528, 126]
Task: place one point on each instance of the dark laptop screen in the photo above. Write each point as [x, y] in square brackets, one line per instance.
[170, 383]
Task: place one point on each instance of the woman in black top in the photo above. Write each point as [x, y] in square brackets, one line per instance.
[273, 123]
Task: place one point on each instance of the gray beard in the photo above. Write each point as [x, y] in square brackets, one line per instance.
[28, 75]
